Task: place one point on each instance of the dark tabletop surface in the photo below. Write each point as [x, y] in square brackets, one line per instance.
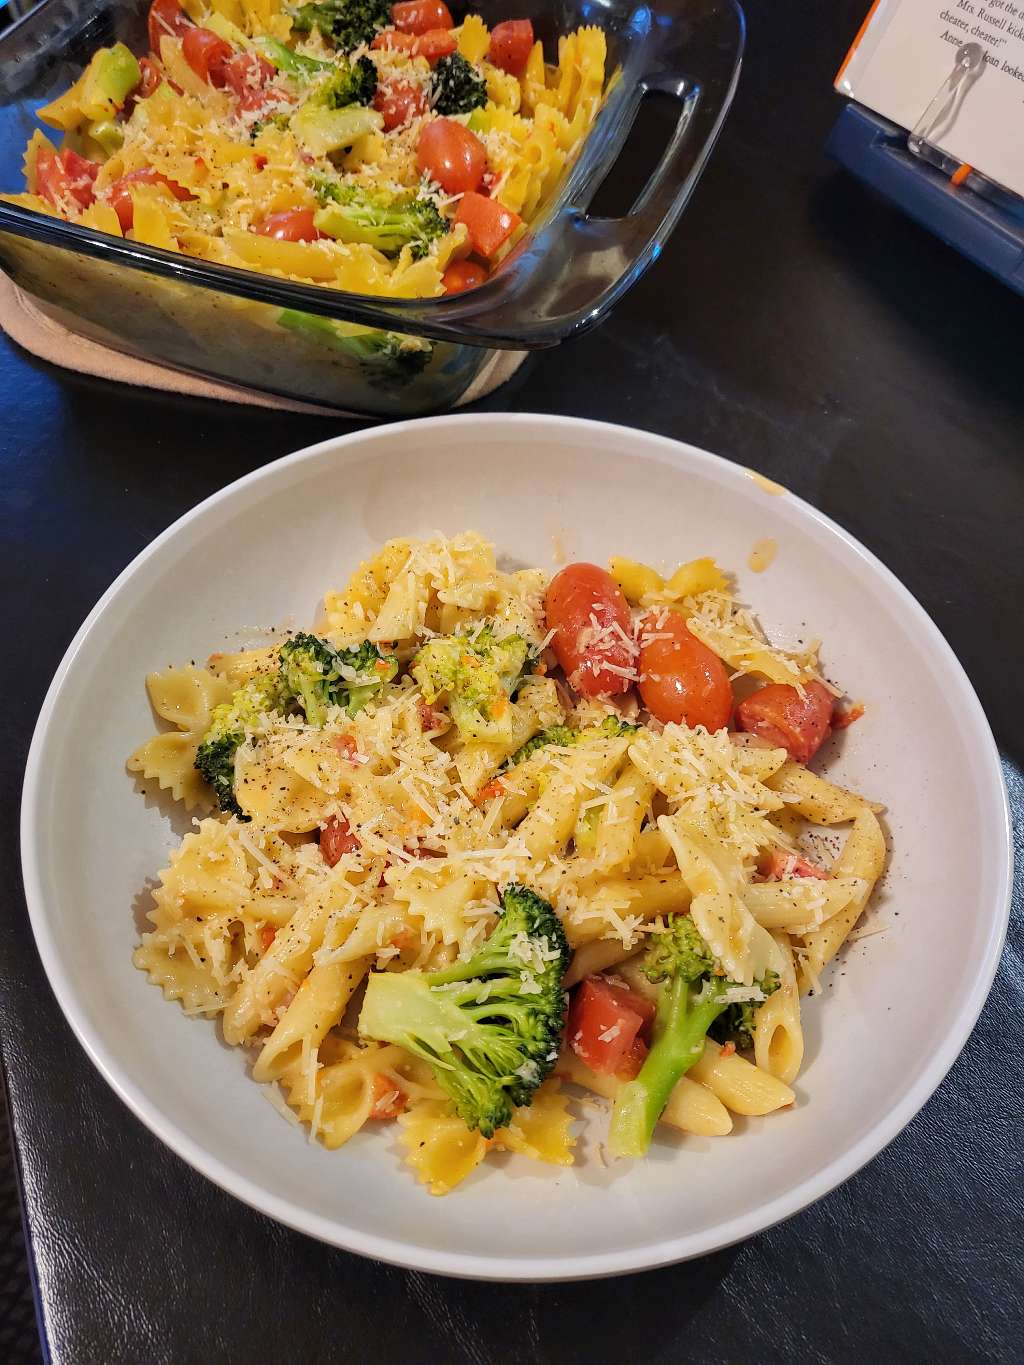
[794, 324]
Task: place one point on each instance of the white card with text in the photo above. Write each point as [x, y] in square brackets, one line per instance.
[907, 48]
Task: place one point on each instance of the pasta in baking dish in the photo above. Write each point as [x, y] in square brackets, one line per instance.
[369, 147]
[483, 833]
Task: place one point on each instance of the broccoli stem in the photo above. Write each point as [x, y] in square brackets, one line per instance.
[680, 1028]
[292, 63]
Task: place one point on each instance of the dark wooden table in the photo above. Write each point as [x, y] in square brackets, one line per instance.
[793, 324]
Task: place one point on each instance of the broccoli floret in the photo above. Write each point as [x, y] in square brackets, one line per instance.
[567, 735]
[309, 673]
[693, 993]
[457, 86]
[562, 735]
[387, 359]
[350, 83]
[377, 217]
[279, 120]
[364, 671]
[490, 1027]
[736, 1023]
[478, 674]
[317, 676]
[347, 23]
[229, 724]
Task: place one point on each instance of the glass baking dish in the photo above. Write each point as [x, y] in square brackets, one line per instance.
[224, 322]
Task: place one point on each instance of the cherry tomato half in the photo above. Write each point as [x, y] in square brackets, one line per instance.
[680, 679]
[206, 53]
[65, 179]
[435, 44]
[166, 20]
[393, 41]
[489, 223]
[779, 714]
[511, 45]
[292, 225]
[246, 73]
[585, 608]
[119, 194]
[399, 102]
[462, 275]
[451, 155]
[420, 16]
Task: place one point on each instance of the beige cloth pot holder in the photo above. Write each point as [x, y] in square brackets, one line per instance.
[25, 322]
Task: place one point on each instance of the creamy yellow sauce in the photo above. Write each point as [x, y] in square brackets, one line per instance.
[767, 485]
[763, 553]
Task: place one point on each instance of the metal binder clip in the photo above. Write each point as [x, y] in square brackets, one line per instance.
[941, 114]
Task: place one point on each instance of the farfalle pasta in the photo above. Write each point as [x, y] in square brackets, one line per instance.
[482, 834]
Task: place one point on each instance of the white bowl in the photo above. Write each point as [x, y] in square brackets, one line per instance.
[894, 1015]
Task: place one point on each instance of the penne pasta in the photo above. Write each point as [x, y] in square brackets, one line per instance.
[778, 1034]
[863, 858]
[692, 1108]
[816, 798]
[800, 903]
[740, 1085]
[318, 1005]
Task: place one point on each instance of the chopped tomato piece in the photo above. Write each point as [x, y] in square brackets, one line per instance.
[489, 223]
[841, 719]
[489, 792]
[65, 179]
[438, 43]
[206, 53]
[346, 746]
[604, 1023]
[398, 102]
[429, 718]
[633, 1060]
[462, 275]
[777, 864]
[420, 16]
[585, 608]
[389, 1099]
[336, 839]
[511, 45]
[451, 155]
[119, 193]
[681, 680]
[267, 935]
[166, 20]
[779, 714]
[149, 80]
[293, 225]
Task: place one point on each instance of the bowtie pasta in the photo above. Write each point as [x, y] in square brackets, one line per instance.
[367, 147]
[483, 832]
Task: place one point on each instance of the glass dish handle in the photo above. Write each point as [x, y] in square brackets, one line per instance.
[574, 267]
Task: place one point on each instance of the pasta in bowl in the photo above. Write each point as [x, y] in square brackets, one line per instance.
[890, 1016]
[470, 789]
